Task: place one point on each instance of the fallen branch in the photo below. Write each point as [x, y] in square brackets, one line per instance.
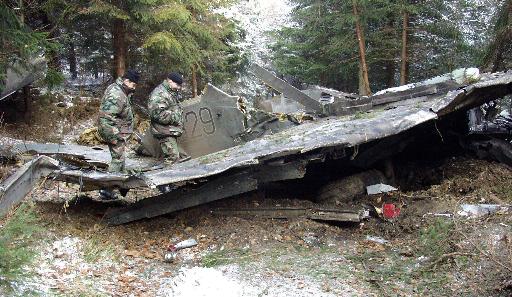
[448, 255]
[485, 253]
[482, 252]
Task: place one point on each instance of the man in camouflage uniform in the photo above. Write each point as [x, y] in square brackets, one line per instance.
[115, 121]
[166, 115]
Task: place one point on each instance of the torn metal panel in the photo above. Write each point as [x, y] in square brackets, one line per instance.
[317, 99]
[18, 76]
[18, 185]
[491, 86]
[298, 142]
[332, 102]
[97, 179]
[328, 132]
[285, 88]
[326, 95]
[215, 189]
[420, 90]
[212, 123]
[93, 157]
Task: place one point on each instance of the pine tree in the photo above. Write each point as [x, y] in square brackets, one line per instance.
[160, 35]
[499, 52]
[20, 43]
[404, 40]
[324, 46]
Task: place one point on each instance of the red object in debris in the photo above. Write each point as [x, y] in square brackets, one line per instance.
[390, 211]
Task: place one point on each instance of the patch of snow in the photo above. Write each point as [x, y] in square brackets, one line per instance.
[395, 89]
[461, 76]
[200, 281]
[420, 117]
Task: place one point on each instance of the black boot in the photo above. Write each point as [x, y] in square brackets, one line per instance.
[107, 195]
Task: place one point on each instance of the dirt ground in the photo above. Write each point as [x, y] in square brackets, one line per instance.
[430, 249]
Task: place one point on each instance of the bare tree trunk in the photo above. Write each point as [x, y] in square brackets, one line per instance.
[362, 53]
[22, 11]
[362, 87]
[119, 45]
[194, 81]
[404, 69]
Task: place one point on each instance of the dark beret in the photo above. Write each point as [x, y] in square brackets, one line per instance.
[175, 77]
[132, 75]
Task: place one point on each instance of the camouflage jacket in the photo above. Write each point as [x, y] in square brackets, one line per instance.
[165, 111]
[115, 119]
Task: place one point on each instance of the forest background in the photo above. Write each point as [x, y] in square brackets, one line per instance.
[355, 45]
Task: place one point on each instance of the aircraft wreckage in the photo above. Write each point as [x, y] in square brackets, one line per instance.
[235, 149]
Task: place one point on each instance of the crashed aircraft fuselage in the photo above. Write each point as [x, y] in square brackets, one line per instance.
[223, 166]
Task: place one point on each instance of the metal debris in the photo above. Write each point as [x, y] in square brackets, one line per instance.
[18, 185]
[18, 75]
[480, 210]
[376, 239]
[173, 249]
[379, 189]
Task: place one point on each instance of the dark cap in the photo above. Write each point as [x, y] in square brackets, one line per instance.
[132, 75]
[175, 77]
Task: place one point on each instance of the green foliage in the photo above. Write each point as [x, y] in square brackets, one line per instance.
[178, 15]
[16, 237]
[53, 78]
[434, 241]
[173, 35]
[161, 35]
[321, 47]
[164, 42]
[105, 9]
[20, 43]
[224, 257]
[498, 55]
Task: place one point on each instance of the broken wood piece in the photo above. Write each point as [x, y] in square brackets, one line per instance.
[323, 214]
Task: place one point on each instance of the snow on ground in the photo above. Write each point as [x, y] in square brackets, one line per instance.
[200, 281]
[71, 264]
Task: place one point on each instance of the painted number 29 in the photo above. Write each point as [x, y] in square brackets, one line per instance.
[206, 121]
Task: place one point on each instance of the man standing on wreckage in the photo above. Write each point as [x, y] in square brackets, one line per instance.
[166, 116]
[115, 121]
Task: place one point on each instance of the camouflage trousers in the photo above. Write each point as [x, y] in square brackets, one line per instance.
[170, 149]
[118, 153]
